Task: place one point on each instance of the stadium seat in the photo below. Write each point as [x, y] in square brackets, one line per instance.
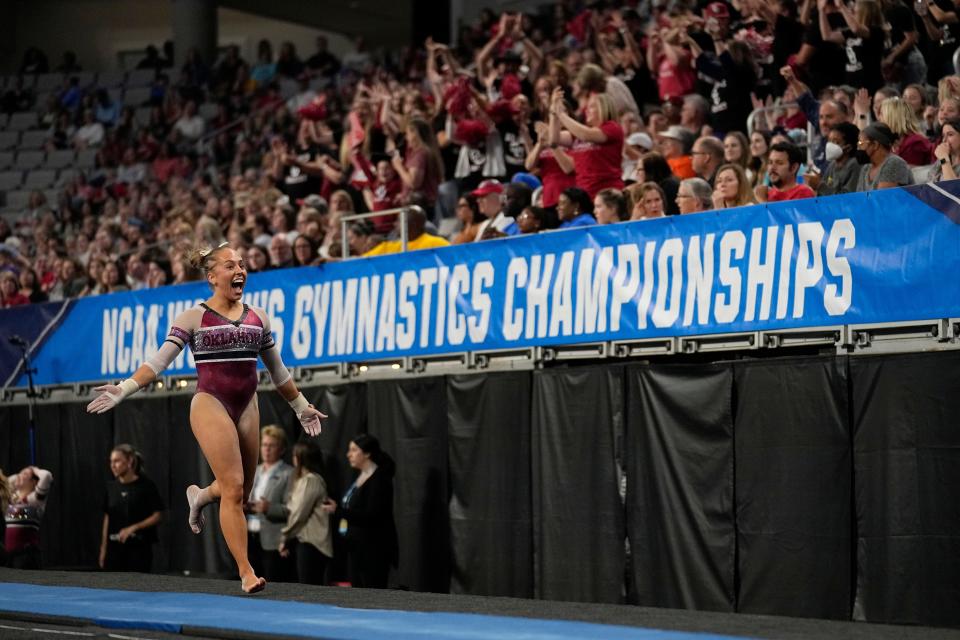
[23, 120]
[9, 139]
[208, 110]
[60, 159]
[3, 120]
[27, 160]
[86, 159]
[116, 95]
[65, 177]
[28, 82]
[289, 88]
[10, 180]
[17, 200]
[140, 78]
[33, 140]
[6, 160]
[40, 103]
[40, 179]
[53, 197]
[86, 78]
[142, 116]
[136, 96]
[49, 82]
[110, 79]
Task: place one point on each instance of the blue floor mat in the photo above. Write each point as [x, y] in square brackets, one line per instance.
[171, 612]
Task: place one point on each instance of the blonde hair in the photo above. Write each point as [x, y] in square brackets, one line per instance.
[131, 454]
[275, 432]
[6, 496]
[744, 191]
[899, 116]
[605, 106]
[203, 258]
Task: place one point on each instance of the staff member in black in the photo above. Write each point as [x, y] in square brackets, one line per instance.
[131, 512]
[364, 516]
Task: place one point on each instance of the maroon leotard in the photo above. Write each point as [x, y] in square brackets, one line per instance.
[225, 352]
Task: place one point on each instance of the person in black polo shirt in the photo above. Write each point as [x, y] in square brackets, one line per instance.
[131, 511]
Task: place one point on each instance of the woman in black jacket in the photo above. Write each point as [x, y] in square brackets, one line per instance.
[364, 517]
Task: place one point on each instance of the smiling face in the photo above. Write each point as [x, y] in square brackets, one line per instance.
[228, 275]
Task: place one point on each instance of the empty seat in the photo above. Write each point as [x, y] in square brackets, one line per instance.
[33, 139]
[86, 159]
[140, 78]
[60, 159]
[109, 79]
[10, 180]
[49, 81]
[42, 100]
[22, 120]
[3, 120]
[28, 81]
[136, 96]
[17, 200]
[27, 160]
[9, 139]
[6, 160]
[86, 78]
[53, 198]
[142, 116]
[65, 177]
[40, 179]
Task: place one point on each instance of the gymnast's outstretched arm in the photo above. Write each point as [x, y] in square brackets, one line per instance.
[307, 414]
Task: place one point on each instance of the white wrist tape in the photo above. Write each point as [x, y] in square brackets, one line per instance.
[299, 404]
[128, 387]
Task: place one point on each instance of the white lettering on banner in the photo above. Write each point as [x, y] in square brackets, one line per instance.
[731, 248]
[786, 259]
[665, 312]
[479, 322]
[646, 294]
[129, 338]
[809, 263]
[387, 318]
[443, 285]
[838, 304]
[343, 306]
[700, 268]
[538, 289]
[760, 274]
[302, 310]
[592, 291]
[406, 330]
[513, 319]
[428, 278]
[456, 321]
[561, 314]
[367, 313]
[627, 266]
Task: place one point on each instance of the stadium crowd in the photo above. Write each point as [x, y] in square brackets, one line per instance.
[580, 114]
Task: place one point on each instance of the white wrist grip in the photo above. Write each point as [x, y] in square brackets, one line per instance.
[128, 387]
[298, 404]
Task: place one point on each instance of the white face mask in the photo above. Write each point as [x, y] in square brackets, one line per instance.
[833, 151]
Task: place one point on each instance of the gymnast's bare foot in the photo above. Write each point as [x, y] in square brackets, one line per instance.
[252, 584]
[196, 502]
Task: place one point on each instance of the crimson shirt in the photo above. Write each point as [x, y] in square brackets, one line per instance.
[796, 192]
[597, 166]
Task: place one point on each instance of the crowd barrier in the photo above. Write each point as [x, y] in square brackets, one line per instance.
[883, 256]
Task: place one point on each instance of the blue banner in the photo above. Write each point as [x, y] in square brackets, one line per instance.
[873, 257]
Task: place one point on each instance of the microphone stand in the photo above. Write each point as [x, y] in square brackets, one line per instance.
[31, 402]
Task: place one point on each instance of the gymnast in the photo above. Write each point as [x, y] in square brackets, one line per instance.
[226, 336]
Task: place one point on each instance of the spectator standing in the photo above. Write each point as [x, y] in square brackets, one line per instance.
[268, 509]
[421, 167]
[131, 512]
[596, 146]
[364, 515]
[27, 500]
[307, 522]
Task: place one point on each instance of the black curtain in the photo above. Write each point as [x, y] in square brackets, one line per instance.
[794, 495]
[144, 423]
[409, 417]
[490, 519]
[56, 532]
[578, 532]
[906, 416]
[679, 449]
[85, 444]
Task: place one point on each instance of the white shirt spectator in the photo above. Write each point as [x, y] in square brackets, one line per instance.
[89, 135]
[190, 127]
